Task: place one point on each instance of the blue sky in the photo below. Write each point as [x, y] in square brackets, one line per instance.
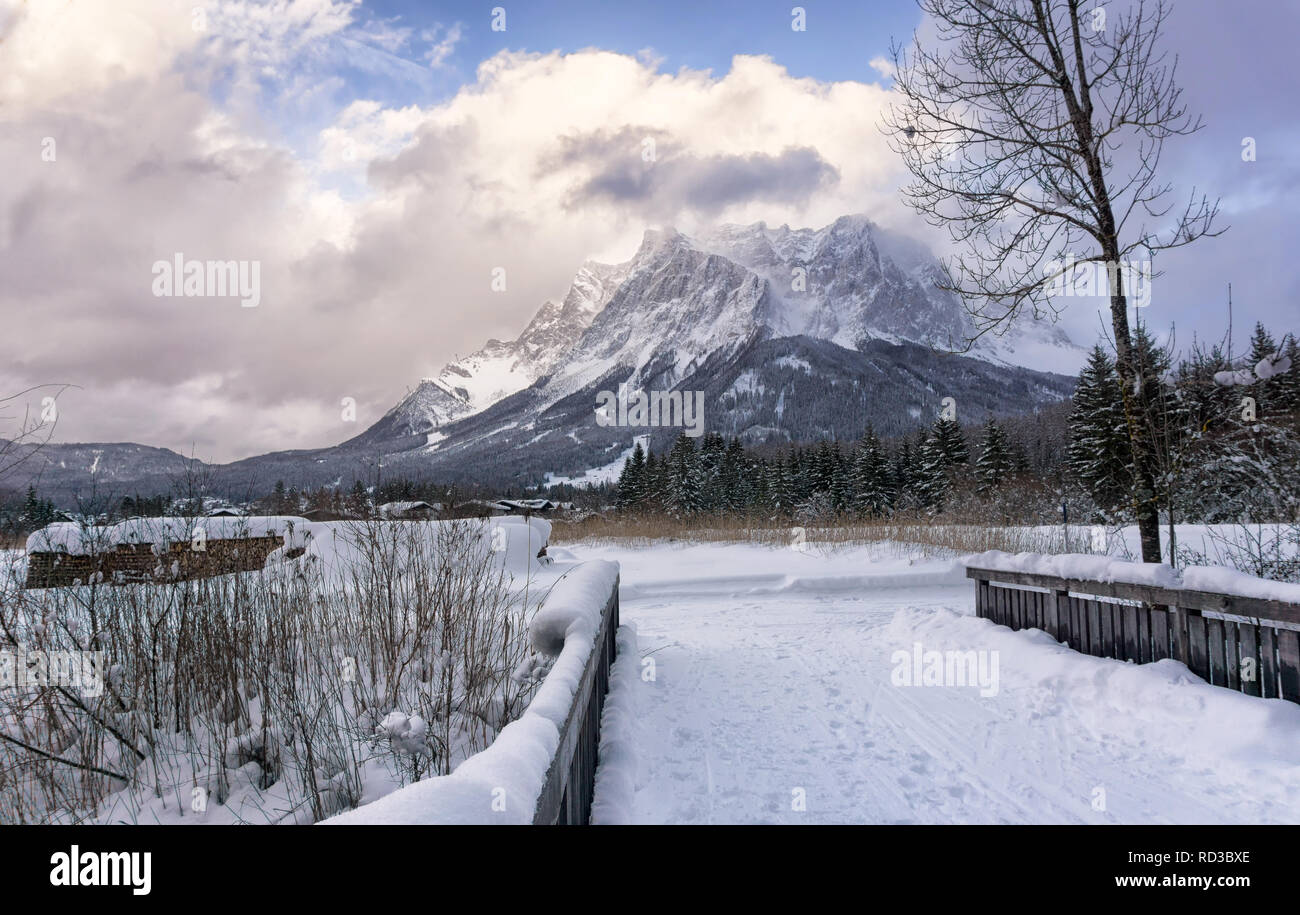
[700, 35]
[837, 44]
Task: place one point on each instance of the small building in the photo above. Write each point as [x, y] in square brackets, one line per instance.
[327, 514]
[225, 512]
[409, 511]
[154, 549]
[526, 506]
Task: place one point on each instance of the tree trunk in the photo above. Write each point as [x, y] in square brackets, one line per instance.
[1134, 396]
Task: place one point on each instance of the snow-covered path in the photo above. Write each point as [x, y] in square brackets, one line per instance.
[772, 701]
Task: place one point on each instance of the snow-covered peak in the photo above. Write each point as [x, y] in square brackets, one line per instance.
[682, 299]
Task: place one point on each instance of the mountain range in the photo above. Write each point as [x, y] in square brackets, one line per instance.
[790, 335]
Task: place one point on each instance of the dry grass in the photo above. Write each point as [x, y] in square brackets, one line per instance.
[941, 536]
[273, 685]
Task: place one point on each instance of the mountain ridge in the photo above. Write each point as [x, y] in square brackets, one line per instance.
[789, 334]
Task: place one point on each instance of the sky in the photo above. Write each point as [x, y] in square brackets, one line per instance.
[382, 162]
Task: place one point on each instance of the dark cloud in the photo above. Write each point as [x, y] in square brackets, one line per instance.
[654, 172]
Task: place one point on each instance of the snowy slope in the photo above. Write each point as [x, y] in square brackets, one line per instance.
[500, 369]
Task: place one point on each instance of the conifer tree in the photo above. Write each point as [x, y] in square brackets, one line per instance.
[685, 492]
[780, 494]
[940, 454]
[872, 492]
[904, 476]
[931, 483]
[733, 479]
[996, 461]
[1098, 455]
[631, 480]
[1288, 383]
[1262, 346]
[950, 442]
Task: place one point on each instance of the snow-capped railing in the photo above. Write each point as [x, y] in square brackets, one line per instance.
[1244, 634]
[541, 767]
[571, 777]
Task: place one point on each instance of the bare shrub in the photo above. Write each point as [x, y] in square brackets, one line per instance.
[280, 693]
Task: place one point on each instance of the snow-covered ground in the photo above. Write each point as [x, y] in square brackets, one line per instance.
[770, 692]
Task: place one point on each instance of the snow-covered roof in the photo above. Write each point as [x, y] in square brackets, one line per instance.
[526, 504]
[401, 508]
[83, 539]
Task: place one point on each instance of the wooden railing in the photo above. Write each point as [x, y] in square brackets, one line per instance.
[1241, 643]
[571, 778]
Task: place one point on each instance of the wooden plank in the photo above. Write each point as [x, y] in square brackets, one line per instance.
[1178, 634]
[1268, 662]
[1080, 612]
[1094, 628]
[982, 598]
[1143, 633]
[1196, 646]
[1288, 654]
[1061, 612]
[1159, 634]
[1188, 599]
[1128, 620]
[1216, 663]
[1231, 656]
[1108, 631]
[1078, 625]
[1248, 651]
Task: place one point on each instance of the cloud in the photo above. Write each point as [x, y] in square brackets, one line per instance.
[443, 47]
[377, 242]
[654, 171]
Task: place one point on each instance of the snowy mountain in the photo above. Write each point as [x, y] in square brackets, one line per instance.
[499, 369]
[789, 335]
[682, 301]
[102, 467]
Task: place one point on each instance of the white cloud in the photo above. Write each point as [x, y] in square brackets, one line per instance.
[443, 47]
[376, 251]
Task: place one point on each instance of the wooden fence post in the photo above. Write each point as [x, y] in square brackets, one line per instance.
[1182, 649]
[1061, 628]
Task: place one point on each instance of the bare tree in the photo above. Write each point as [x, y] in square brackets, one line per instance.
[1034, 133]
